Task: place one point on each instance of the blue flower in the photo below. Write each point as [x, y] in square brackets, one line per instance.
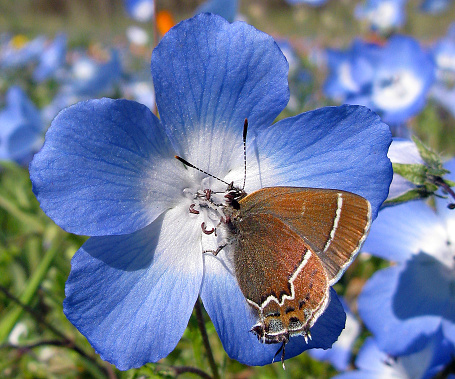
[51, 59]
[340, 353]
[107, 170]
[406, 304]
[372, 363]
[443, 54]
[351, 70]
[90, 77]
[21, 128]
[382, 15]
[392, 80]
[402, 76]
[19, 52]
[140, 10]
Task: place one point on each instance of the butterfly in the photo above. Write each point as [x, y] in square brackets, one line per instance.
[290, 245]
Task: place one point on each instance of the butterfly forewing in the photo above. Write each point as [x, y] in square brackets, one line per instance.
[333, 223]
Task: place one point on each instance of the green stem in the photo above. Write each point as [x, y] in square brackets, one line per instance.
[32, 312]
[205, 339]
[25, 218]
[441, 183]
[8, 322]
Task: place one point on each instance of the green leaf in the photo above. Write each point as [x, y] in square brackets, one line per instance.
[431, 158]
[430, 188]
[415, 173]
[414, 194]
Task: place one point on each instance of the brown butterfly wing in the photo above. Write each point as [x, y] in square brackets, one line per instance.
[333, 223]
[290, 286]
[271, 252]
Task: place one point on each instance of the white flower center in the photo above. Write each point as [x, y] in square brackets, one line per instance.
[143, 11]
[383, 15]
[205, 207]
[400, 90]
[345, 73]
[446, 61]
[137, 36]
[84, 69]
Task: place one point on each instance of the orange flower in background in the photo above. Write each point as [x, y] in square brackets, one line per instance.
[164, 21]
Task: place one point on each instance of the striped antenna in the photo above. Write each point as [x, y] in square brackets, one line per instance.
[245, 129]
[186, 163]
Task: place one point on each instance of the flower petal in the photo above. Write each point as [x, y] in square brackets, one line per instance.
[340, 353]
[209, 76]
[106, 168]
[448, 330]
[359, 375]
[132, 295]
[430, 284]
[370, 357]
[425, 363]
[333, 147]
[402, 151]
[404, 230]
[395, 333]
[233, 319]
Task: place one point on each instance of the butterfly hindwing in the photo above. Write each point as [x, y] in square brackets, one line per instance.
[290, 288]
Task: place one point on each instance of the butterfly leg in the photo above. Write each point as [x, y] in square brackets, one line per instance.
[307, 336]
[282, 350]
[215, 252]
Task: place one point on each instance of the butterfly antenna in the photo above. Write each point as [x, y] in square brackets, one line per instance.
[186, 163]
[245, 129]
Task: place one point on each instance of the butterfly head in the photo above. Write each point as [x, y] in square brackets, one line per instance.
[234, 195]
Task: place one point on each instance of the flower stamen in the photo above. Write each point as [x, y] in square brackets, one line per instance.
[208, 232]
[192, 210]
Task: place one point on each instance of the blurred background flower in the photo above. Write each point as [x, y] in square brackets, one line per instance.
[402, 75]
[372, 363]
[21, 127]
[407, 304]
[140, 10]
[51, 59]
[393, 56]
[382, 15]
